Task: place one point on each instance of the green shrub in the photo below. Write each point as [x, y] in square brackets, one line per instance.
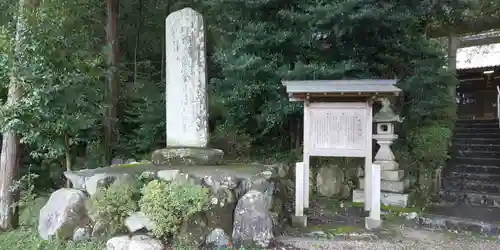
[235, 144]
[112, 205]
[430, 145]
[171, 204]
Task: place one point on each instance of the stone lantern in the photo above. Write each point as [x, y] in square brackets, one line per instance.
[385, 136]
[392, 182]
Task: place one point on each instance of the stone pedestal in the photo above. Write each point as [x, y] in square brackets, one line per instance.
[187, 156]
[392, 177]
[393, 184]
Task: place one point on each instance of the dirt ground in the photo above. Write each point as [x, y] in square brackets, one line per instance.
[334, 225]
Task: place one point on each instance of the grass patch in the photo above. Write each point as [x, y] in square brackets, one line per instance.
[387, 208]
[28, 239]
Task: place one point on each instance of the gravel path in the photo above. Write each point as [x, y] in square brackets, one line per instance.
[309, 243]
[404, 239]
[393, 235]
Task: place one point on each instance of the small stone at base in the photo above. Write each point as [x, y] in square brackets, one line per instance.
[371, 224]
[386, 198]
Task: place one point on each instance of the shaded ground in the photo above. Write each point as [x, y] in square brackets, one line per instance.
[331, 226]
[336, 225]
[422, 242]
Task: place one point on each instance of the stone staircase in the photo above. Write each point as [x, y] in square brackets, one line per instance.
[470, 194]
[472, 176]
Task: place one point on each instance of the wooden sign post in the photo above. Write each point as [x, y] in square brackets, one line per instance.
[337, 123]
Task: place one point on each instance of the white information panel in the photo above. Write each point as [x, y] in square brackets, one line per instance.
[337, 129]
[334, 129]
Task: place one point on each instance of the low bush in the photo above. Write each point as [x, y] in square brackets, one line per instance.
[171, 204]
[113, 205]
[430, 145]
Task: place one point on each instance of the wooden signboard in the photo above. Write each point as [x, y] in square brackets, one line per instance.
[338, 123]
[334, 129]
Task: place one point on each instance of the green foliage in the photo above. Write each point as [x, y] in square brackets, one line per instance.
[144, 117]
[235, 145]
[29, 203]
[113, 205]
[171, 204]
[142, 32]
[430, 144]
[54, 61]
[27, 238]
[252, 45]
[329, 40]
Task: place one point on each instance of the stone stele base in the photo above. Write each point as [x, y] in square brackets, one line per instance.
[299, 221]
[187, 156]
[371, 224]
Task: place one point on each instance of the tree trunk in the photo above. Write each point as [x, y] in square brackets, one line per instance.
[111, 117]
[10, 155]
[9, 167]
[69, 165]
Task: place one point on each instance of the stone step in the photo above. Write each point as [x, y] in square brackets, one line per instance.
[455, 197]
[476, 161]
[475, 154]
[461, 121]
[494, 135]
[484, 141]
[386, 198]
[478, 169]
[475, 147]
[477, 124]
[488, 178]
[471, 186]
[460, 218]
[477, 130]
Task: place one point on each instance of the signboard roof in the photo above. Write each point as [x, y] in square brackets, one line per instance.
[342, 86]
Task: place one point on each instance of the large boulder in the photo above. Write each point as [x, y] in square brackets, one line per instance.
[106, 175]
[104, 180]
[329, 181]
[63, 213]
[262, 182]
[136, 242]
[253, 225]
[218, 239]
[223, 201]
[228, 184]
[137, 221]
[82, 234]
[76, 179]
[168, 175]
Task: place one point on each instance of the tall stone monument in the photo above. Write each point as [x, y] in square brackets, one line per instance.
[186, 93]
